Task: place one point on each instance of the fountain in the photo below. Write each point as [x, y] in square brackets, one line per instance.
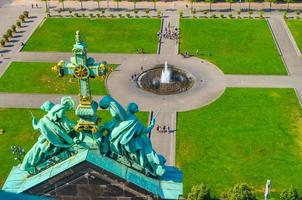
[165, 79]
[165, 74]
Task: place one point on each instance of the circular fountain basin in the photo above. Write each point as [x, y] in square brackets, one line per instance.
[180, 80]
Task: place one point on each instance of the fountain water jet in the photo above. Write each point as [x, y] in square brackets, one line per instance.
[165, 74]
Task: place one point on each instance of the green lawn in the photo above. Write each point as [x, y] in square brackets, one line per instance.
[295, 27]
[101, 35]
[247, 135]
[18, 131]
[236, 46]
[33, 77]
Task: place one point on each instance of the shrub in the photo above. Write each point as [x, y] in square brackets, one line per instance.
[14, 28]
[128, 15]
[181, 14]
[238, 12]
[120, 15]
[76, 15]
[221, 15]
[70, 11]
[205, 12]
[158, 13]
[25, 13]
[230, 16]
[83, 15]
[193, 11]
[213, 16]
[147, 11]
[98, 15]
[135, 11]
[91, 15]
[18, 23]
[9, 32]
[285, 15]
[103, 11]
[240, 192]
[2, 43]
[261, 15]
[289, 194]
[111, 15]
[5, 37]
[199, 192]
[22, 18]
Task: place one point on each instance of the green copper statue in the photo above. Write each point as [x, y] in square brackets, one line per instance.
[126, 136]
[55, 129]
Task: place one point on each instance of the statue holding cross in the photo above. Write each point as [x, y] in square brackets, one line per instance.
[83, 68]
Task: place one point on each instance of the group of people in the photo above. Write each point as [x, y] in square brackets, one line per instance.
[163, 129]
[32, 5]
[171, 33]
[134, 76]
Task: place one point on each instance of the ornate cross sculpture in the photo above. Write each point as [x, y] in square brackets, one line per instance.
[83, 68]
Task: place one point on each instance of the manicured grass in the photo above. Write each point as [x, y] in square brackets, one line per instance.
[247, 135]
[101, 35]
[295, 27]
[19, 131]
[28, 77]
[236, 46]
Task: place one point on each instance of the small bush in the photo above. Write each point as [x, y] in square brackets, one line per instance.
[158, 13]
[76, 14]
[205, 12]
[70, 11]
[240, 192]
[213, 16]
[181, 14]
[128, 15]
[193, 11]
[147, 11]
[238, 12]
[230, 16]
[98, 15]
[111, 15]
[91, 15]
[290, 194]
[120, 15]
[103, 11]
[135, 11]
[199, 192]
[83, 15]
[221, 15]
[285, 15]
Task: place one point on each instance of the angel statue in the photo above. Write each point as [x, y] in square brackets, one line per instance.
[56, 130]
[128, 137]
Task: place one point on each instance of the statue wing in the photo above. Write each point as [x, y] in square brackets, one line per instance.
[117, 110]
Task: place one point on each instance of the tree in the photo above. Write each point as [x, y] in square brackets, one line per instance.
[134, 4]
[199, 192]
[289, 194]
[18, 23]
[240, 192]
[62, 1]
[6, 38]
[230, 1]
[192, 2]
[288, 2]
[14, 28]
[46, 6]
[2, 43]
[270, 3]
[210, 1]
[98, 1]
[81, 1]
[117, 3]
[154, 4]
[9, 32]
[249, 1]
[26, 14]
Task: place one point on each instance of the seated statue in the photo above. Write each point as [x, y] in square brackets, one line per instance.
[55, 128]
[128, 137]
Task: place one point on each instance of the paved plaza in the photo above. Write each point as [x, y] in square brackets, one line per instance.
[210, 80]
